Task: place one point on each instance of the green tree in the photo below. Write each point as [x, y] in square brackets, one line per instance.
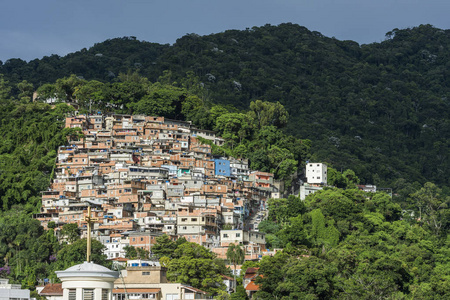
[46, 91]
[271, 267]
[26, 91]
[266, 113]
[233, 127]
[5, 90]
[351, 178]
[336, 179]
[133, 252]
[235, 256]
[67, 87]
[431, 205]
[280, 210]
[160, 100]
[71, 232]
[322, 233]
[73, 134]
[192, 250]
[305, 278]
[195, 110]
[334, 203]
[384, 204]
[92, 95]
[75, 253]
[282, 163]
[239, 294]
[294, 233]
[194, 265]
[130, 252]
[164, 246]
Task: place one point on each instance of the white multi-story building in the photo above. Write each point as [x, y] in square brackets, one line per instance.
[316, 173]
[12, 291]
[241, 237]
[239, 169]
[115, 247]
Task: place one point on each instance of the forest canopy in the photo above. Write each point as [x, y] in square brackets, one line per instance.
[279, 96]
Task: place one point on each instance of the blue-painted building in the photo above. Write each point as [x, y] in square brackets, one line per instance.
[183, 171]
[222, 167]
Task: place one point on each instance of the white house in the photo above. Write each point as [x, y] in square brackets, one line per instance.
[307, 189]
[316, 173]
[12, 291]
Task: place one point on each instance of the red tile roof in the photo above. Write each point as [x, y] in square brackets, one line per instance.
[52, 289]
[251, 270]
[194, 289]
[225, 277]
[119, 259]
[252, 286]
[250, 273]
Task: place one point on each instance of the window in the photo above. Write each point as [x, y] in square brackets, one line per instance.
[183, 219]
[194, 219]
[105, 294]
[142, 239]
[72, 294]
[225, 235]
[145, 273]
[184, 227]
[88, 294]
[238, 235]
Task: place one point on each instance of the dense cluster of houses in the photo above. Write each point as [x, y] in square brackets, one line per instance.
[146, 176]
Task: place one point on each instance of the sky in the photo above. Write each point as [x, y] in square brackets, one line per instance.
[32, 29]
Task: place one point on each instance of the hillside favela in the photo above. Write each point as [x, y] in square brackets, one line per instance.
[266, 163]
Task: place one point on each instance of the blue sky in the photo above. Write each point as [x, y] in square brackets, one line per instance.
[32, 29]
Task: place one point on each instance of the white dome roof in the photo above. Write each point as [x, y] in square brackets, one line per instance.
[87, 269]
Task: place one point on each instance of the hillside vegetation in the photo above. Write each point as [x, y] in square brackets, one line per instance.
[279, 95]
[380, 109]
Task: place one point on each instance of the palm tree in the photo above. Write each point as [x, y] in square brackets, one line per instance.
[236, 256]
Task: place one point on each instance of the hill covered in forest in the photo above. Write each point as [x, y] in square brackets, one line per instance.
[380, 109]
